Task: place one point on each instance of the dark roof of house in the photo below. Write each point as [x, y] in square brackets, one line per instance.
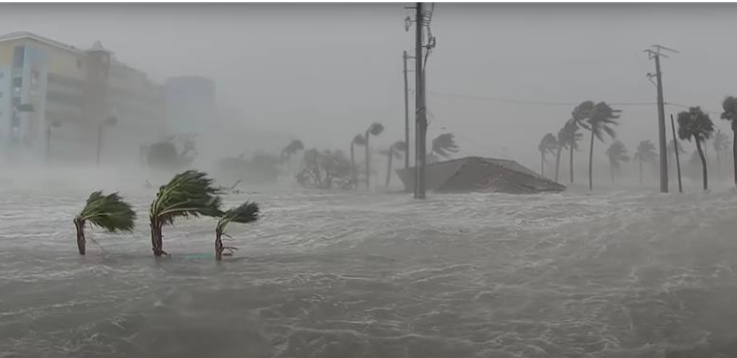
[481, 174]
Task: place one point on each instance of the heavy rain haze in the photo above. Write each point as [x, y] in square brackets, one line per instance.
[262, 209]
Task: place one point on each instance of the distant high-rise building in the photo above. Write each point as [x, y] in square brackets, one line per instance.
[191, 104]
[59, 97]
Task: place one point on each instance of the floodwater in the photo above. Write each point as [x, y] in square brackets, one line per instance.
[345, 275]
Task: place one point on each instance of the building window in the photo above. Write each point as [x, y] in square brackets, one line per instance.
[19, 56]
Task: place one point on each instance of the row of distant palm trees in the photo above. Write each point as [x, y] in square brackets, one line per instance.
[599, 119]
[188, 194]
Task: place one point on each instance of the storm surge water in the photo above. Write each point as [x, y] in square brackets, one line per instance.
[355, 275]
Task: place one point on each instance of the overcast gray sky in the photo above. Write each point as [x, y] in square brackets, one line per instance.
[325, 71]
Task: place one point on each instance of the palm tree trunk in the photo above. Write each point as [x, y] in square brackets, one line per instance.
[719, 167]
[570, 165]
[157, 243]
[354, 177]
[389, 167]
[542, 164]
[591, 163]
[734, 151]
[368, 166]
[703, 164]
[640, 170]
[219, 248]
[611, 170]
[81, 242]
[557, 162]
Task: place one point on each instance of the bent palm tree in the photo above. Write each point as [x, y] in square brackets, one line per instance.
[444, 146]
[617, 154]
[695, 124]
[730, 114]
[358, 140]
[373, 130]
[109, 212]
[721, 143]
[645, 154]
[600, 118]
[568, 137]
[394, 151]
[548, 144]
[190, 193]
[247, 212]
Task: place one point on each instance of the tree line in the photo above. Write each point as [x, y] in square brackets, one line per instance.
[599, 119]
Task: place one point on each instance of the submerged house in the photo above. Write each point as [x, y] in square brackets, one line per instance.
[476, 174]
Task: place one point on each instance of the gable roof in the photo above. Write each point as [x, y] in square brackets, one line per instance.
[25, 34]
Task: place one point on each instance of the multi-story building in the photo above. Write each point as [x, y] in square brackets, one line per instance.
[56, 101]
[192, 104]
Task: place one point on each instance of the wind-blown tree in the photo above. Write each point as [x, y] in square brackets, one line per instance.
[109, 212]
[325, 170]
[548, 144]
[443, 146]
[696, 125]
[395, 150]
[164, 154]
[247, 212]
[730, 114]
[373, 130]
[600, 118]
[721, 143]
[188, 194]
[645, 154]
[617, 154]
[358, 140]
[568, 137]
[291, 149]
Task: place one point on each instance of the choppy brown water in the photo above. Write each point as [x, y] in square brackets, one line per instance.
[353, 275]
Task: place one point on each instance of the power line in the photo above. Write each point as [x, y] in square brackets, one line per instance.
[529, 102]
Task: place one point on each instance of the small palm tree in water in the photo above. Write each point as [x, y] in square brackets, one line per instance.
[548, 145]
[373, 130]
[109, 212]
[645, 154]
[721, 143]
[617, 154]
[188, 194]
[247, 212]
[696, 125]
[358, 140]
[394, 152]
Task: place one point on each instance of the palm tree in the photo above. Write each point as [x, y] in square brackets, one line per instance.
[645, 154]
[190, 193]
[395, 150]
[109, 212]
[730, 114]
[291, 149]
[247, 212]
[568, 137]
[600, 118]
[373, 130]
[548, 144]
[721, 143]
[358, 140]
[443, 146]
[695, 124]
[617, 154]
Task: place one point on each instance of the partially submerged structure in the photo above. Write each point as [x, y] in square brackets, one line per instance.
[476, 174]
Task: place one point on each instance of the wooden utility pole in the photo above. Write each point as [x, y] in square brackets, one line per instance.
[406, 109]
[655, 53]
[420, 121]
[675, 147]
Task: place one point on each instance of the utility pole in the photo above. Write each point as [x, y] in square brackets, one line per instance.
[405, 57]
[678, 160]
[655, 53]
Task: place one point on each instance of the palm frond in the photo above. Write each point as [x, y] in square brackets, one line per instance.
[109, 212]
[190, 193]
[695, 124]
[359, 140]
[375, 129]
[245, 213]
